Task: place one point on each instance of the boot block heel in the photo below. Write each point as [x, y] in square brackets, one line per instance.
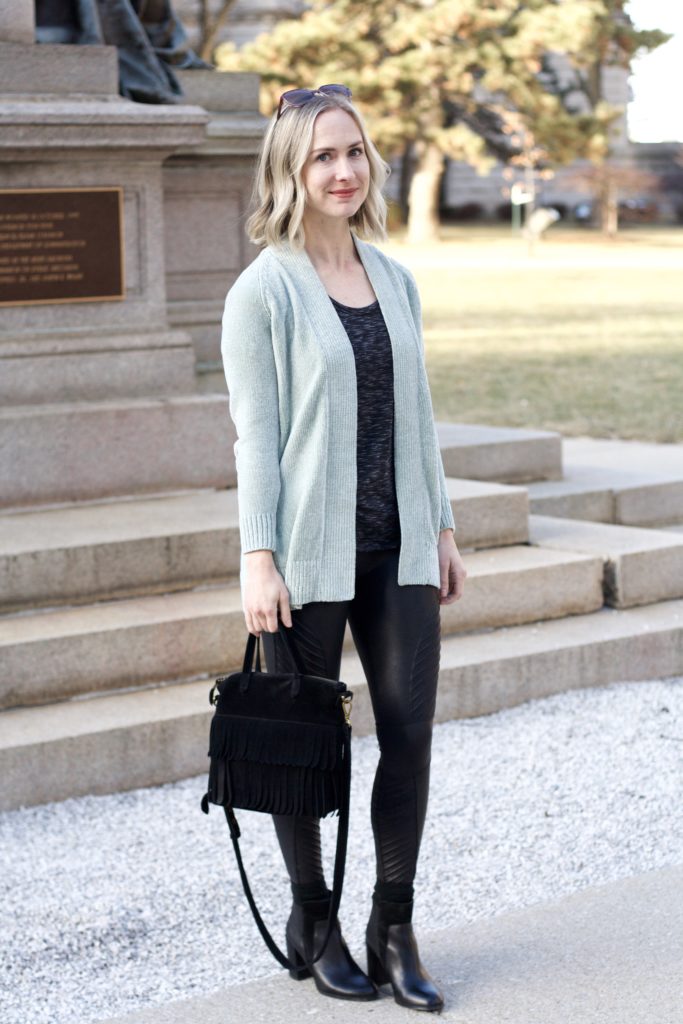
[299, 973]
[376, 971]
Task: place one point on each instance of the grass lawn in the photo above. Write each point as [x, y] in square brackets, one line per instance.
[584, 336]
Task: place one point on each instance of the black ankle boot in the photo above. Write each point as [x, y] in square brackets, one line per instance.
[393, 957]
[336, 973]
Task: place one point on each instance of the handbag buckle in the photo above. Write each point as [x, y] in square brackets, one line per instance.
[347, 702]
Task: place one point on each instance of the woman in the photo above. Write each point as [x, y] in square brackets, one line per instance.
[343, 507]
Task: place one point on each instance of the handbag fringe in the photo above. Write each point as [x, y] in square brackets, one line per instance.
[272, 742]
[275, 788]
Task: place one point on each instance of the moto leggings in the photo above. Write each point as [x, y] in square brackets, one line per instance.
[397, 633]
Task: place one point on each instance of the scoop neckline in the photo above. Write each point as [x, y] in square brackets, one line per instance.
[354, 309]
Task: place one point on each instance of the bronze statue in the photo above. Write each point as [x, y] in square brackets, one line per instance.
[149, 37]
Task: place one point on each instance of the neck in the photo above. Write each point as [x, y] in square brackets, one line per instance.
[328, 242]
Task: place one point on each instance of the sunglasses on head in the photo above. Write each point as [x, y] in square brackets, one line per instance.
[298, 97]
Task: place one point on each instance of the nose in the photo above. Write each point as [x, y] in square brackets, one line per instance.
[343, 169]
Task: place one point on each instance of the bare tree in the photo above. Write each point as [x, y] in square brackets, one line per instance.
[210, 25]
[609, 182]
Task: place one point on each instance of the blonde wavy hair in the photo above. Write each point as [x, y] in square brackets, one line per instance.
[279, 195]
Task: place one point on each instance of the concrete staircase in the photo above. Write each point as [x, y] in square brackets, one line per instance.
[117, 613]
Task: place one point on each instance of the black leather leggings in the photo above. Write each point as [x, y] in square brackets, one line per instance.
[397, 633]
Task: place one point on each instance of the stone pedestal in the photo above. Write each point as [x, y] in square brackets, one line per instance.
[77, 376]
[71, 351]
[18, 22]
[206, 196]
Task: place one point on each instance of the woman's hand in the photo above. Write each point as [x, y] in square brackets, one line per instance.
[264, 591]
[451, 568]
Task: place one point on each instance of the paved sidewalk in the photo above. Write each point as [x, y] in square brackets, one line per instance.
[611, 954]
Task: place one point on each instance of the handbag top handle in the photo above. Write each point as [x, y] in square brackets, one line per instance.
[255, 642]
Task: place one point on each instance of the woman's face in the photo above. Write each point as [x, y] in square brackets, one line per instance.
[336, 173]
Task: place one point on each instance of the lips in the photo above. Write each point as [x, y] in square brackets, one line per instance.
[345, 193]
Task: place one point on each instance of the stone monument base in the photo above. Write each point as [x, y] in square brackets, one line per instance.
[100, 398]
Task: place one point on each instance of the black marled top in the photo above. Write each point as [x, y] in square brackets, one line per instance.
[377, 520]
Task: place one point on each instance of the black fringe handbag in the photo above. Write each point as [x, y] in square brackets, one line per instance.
[280, 742]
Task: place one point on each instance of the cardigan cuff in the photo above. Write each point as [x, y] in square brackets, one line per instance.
[446, 520]
[257, 531]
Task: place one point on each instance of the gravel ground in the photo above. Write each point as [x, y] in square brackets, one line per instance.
[109, 904]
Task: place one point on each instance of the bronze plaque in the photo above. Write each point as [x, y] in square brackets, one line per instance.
[61, 245]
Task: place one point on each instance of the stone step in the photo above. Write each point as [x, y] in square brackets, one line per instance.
[641, 565]
[60, 653]
[81, 451]
[609, 495]
[114, 548]
[135, 642]
[505, 454]
[116, 742]
[636, 483]
[615, 453]
[83, 552]
[84, 450]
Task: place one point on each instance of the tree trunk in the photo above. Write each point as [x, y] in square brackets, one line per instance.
[610, 209]
[203, 22]
[423, 216]
[404, 185]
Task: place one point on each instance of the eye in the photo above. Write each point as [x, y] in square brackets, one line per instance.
[357, 149]
[321, 155]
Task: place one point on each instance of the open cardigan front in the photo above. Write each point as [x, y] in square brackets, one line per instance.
[291, 376]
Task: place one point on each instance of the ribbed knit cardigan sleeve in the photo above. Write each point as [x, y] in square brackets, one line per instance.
[249, 367]
[446, 518]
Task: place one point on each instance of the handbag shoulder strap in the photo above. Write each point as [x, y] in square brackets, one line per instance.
[339, 865]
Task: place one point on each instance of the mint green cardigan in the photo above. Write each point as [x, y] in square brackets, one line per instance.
[291, 376]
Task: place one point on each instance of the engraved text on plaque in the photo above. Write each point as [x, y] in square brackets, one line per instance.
[60, 245]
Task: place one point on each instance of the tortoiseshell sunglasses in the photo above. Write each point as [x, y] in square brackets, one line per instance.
[297, 97]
